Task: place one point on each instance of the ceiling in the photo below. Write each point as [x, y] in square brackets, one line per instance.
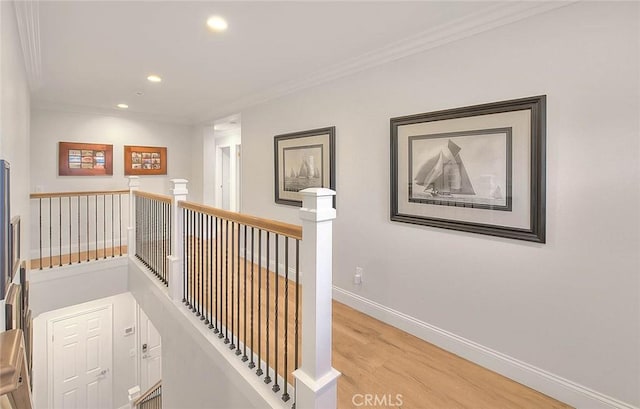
[95, 54]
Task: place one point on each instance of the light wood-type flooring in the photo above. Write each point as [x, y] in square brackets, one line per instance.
[377, 361]
[83, 256]
[374, 358]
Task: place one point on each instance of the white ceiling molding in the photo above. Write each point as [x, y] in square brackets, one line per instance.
[120, 113]
[28, 21]
[490, 18]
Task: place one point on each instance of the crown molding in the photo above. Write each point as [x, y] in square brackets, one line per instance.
[41, 105]
[28, 22]
[488, 19]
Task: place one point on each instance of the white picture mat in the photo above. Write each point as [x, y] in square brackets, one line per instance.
[520, 216]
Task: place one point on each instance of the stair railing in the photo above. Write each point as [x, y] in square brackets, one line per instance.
[151, 399]
[245, 278]
[76, 227]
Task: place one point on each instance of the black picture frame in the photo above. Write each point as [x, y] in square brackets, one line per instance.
[15, 231]
[302, 160]
[502, 193]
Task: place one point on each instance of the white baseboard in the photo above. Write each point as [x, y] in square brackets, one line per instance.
[34, 253]
[550, 384]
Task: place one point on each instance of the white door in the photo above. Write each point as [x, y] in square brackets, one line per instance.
[150, 353]
[81, 360]
[238, 177]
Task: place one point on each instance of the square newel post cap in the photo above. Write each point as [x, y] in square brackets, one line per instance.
[317, 204]
[179, 186]
[134, 182]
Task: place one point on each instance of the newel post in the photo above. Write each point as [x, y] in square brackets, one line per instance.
[316, 379]
[176, 257]
[134, 185]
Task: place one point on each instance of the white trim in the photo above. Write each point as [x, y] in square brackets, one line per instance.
[44, 105]
[546, 382]
[72, 249]
[28, 22]
[487, 19]
[137, 346]
[56, 272]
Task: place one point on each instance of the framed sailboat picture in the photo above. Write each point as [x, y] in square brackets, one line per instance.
[479, 169]
[303, 160]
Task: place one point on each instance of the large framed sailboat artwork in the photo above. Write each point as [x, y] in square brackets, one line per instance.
[478, 169]
[303, 160]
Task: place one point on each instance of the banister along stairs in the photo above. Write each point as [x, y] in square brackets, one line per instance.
[78, 226]
[244, 278]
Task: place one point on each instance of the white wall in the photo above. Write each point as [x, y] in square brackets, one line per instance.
[50, 127]
[14, 117]
[124, 365]
[571, 306]
[61, 287]
[199, 161]
[198, 370]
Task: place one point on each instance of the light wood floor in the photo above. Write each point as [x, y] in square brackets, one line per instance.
[56, 261]
[376, 358]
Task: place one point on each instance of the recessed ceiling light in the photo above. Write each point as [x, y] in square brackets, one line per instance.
[217, 24]
[122, 106]
[154, 78]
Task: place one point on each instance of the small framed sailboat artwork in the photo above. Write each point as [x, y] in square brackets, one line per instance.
[479, 169]
[303, 160]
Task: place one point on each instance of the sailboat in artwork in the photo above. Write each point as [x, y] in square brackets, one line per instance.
[308, 170]
[444, 174]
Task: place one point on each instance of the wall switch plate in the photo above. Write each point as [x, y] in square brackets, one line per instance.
[358, 277]
[129, 330]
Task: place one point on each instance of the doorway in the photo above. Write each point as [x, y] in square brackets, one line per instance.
[150, 352]
[80, 359]
[225, 176]
[222, 175]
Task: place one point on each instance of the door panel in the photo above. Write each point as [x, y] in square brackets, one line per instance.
[151, 355]
[81, 360]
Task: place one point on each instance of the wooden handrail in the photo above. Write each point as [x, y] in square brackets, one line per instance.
[285, 229]
[14, 378]
[65, 194]
[147, 393]
[154, 196]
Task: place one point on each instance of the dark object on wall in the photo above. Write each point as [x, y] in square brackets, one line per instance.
[479, 169]
[85, 159]
[5, 234]
[303, 160]
[145, 160]
[14, 246]
[13, 307]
